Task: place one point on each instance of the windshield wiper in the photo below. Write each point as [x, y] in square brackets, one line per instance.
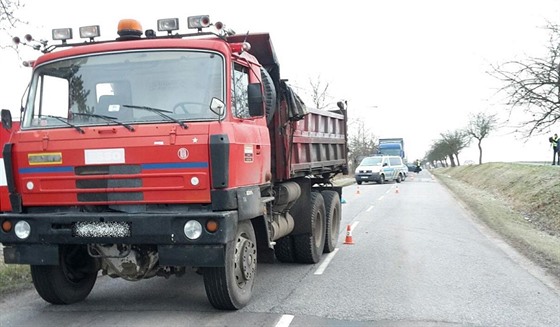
[65, 120]
[160, 112]
[107, 118]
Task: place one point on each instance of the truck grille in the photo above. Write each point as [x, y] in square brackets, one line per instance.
[108, 183]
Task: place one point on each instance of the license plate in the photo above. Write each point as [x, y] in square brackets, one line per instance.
[364, 177]
[102, 229]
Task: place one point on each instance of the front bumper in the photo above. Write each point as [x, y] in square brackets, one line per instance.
[369, 177]
[162, 230]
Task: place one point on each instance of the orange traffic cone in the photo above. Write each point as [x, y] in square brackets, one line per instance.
[358, 190]
[348, 236]
[397, 189]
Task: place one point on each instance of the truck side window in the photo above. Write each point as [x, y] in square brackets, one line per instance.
[240, 99]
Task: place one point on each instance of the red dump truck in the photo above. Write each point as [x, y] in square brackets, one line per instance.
[158, 152]
[5, 134]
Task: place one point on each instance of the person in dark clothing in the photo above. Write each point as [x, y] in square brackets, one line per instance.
[418, 168]
[555, 149]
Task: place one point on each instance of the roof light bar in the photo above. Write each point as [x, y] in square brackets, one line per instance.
[168, 24]
[129, 29]
[89, 32]
[198, 22]
[62, 34]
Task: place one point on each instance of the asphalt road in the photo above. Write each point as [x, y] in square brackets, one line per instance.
[418, 259]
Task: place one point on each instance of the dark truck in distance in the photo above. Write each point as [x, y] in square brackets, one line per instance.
[150, 156]
[391, 147]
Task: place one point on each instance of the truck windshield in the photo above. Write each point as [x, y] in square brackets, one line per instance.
[103, 89]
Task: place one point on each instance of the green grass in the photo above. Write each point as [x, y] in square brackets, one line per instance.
[13, 277]
[521, 202]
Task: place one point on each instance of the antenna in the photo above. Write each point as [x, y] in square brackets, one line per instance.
[244, 41]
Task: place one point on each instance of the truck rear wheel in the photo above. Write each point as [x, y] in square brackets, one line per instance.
[284, 249]
[69, 282]
[230, 287]
[309, 247]
[332, 209]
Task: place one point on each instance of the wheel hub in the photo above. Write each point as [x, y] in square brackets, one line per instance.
[245, 261]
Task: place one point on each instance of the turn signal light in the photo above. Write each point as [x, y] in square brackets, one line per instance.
[212, 226]
[7, 226]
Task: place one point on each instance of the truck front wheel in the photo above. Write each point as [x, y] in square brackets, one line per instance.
[230, 287]
[69, 282]
[309, 247]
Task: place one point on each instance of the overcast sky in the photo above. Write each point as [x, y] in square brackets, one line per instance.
[410, 68]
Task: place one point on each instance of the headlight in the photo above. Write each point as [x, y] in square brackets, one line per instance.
[22, 229]
[192, 229]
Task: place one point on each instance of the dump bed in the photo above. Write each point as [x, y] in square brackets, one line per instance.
[305, 141]
[319, 144]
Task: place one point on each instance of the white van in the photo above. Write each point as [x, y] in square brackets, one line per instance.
[381, 169]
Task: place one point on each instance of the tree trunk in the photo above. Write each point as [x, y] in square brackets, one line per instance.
[480, 151]
[452, 159]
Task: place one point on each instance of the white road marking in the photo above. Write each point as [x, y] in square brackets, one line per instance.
[369, 209]
[326, 262]
[285, 321]
[354, 224]
[380, 198]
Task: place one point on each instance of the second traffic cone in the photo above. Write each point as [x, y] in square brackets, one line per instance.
[397, 189]
[358, 190]
[348, 239]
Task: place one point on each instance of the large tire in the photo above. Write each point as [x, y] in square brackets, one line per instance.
[381, 179]
[69, 282]
[309, 247]
[333, 212]
[284, 250]
[399, 178]
[230, 287]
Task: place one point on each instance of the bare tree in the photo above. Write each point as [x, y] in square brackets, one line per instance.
[455, 142]
[480, 126]
[8, 9]
[438, 153]
[362, 142]
[319, 93]
[533, 86]
[8, 21]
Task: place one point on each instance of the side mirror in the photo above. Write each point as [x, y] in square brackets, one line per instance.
[6, 119]
[256, 101]
[385, 165]
[217, 106]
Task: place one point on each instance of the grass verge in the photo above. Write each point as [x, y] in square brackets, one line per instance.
[13, 277]
[519, 202]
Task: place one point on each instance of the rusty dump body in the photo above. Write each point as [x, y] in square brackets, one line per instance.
[168, 153]
[305, 141]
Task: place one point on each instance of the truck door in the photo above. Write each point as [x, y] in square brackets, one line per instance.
[252, 142]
